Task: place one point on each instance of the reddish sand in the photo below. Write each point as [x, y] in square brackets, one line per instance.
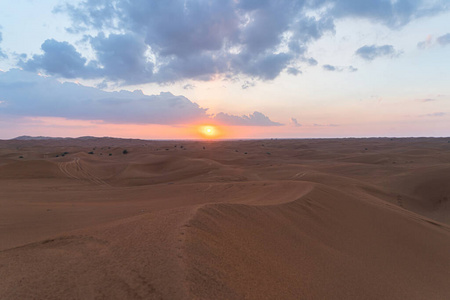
[269, 219]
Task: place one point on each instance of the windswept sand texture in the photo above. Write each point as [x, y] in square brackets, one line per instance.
[291, 219]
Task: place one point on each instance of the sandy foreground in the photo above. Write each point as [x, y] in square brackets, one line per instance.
[267, 219]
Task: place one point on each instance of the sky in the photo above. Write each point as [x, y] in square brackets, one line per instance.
[251, 68]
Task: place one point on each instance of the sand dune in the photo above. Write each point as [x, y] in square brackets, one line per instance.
[271, 219]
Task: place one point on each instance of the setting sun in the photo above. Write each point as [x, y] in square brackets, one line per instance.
[209, 131]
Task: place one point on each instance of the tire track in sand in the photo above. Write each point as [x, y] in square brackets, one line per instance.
[74, 169]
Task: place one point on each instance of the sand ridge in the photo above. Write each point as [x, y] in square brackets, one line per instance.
[290, 219]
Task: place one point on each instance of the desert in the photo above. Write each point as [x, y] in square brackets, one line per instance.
[224, 149]
[104, 218]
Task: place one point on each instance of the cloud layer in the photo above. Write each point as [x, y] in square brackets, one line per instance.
[27, 94]
[155, 41]
[255, 119]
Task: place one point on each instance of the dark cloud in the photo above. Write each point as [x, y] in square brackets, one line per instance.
[27, 94]
[371, 52]
[123, 57]
[444, 39]
[265, 66]
[59, 58]
[161, 41]
[308, 29]
[181, 28]
[193, 39]
[255, 119]
[97, 14]
[200, 67]
[189, 86]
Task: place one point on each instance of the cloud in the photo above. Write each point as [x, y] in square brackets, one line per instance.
[427, 43]
[59, 58]
[325, 125]
[25, 94]
[263, 66]
[294, 123]
[248, 84]
[339, 69]
[293, 71]
[311, 61]
[189, 86]
[123, 57]
[2, 54]
[393, 14]
[329, 68]
[137, 42]
[371, 52]
[255, 119]
[444, 39]
[436, 114]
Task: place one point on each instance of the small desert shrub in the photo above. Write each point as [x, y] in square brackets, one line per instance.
[110, 154]
[21, 156]
[125, 151]
[91, 152]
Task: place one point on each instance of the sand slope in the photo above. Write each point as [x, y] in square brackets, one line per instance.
[290, 219]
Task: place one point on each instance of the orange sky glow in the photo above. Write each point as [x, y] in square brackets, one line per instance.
[61, 127]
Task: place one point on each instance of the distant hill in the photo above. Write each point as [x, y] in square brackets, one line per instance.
[38, 138]
[35, 138]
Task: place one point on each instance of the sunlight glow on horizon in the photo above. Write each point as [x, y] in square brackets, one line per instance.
[210, 131]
